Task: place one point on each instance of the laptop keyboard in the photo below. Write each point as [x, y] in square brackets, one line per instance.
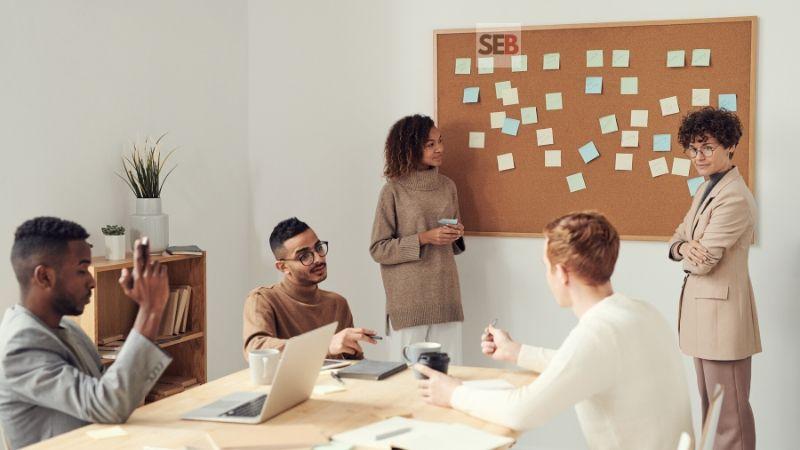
[249, 409]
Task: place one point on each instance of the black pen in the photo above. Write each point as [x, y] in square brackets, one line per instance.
[335, 376]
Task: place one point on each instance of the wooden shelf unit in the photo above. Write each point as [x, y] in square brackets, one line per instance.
[110, 312]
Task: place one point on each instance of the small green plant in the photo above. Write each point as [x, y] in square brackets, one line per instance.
[144, 167]
[113, 230]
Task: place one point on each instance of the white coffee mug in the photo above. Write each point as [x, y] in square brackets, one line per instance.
[411, 352]
[263, 365]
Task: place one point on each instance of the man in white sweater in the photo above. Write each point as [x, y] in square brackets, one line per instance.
[619, 366]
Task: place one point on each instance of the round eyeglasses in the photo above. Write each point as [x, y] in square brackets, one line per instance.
[306, 257]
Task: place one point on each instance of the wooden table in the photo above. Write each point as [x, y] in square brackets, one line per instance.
[363, 402]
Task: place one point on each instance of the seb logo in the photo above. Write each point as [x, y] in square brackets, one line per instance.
[505, 43]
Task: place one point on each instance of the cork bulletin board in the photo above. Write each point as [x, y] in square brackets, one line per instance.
[520, 201]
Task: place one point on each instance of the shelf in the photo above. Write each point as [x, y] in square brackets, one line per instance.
[101, 264]
[185, 337]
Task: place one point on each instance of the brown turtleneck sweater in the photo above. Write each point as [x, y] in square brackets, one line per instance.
[273, 314]
[421, 282]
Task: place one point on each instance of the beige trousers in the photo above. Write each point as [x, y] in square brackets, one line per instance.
[736, 429]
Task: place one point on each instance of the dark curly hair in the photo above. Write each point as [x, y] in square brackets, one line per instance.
[42, 239]
[283, 231]
[405, 143]
[721, 124]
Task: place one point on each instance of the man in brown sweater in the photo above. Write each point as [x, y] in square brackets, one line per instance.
[273, 314]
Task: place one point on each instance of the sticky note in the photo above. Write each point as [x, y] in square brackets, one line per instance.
[477, 139]
[551, 61]
[519, 63]
[486, 65]
[694, 184]
[497, 119]
[552, 158]
[620, 58]
[680, 166]
[727, 101]
[109, 432]
[608, 124]
[505, 162]
[624, 161]
[501, 86]
[701, 97]
[594, 85]
[575, 182]
[325, 389]
[544, 137]
[676, 58]
[638, 117]
[662, 142]
[471, 94]
[463, 66]
[588, 152]
[510, 126]
[629, 85]
[701, 57]
[553, 101]
[529, 115]
[510, 97]
[669, 106]
[594, 58]
[630, 138]
[658, 167]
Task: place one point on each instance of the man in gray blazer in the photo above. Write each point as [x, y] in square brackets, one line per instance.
[51, 379]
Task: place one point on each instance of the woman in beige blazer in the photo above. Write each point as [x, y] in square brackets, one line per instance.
[717, 322]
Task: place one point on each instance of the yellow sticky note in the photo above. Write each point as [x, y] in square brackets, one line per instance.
[639, 118]
[505, 162]
[544, 137]
[681, 166]
[477, 139]
[624, 161]
[594, 58]
[106, 433]
[630, 138]
[510, 97]
[552, 158]
[669, 106]
[658, 167]
[497, 119]
[701, 97]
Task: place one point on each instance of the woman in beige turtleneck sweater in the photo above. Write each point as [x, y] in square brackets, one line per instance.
[415, 251]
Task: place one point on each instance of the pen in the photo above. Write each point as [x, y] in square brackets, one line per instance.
[375, 336]
[335, 376]
[392, 433]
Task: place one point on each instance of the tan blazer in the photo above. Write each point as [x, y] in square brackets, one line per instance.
[717, 313]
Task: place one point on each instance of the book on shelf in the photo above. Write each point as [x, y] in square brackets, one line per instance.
[184, 250]
[176, 312]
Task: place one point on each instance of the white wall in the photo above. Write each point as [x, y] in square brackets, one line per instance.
[79, 79]
[328, 79]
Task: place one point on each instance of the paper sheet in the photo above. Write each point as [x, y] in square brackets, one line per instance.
[669, 106]
[505, 162]
[552, 158]
[624, 161]
[608, 124]
[658, 167]
[477, 139]
[108, 432]
[639, 118]
[681, 166]
[544, 136]
[701, 97]
[630, 138]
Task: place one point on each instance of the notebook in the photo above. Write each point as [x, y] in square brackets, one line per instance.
[368, 369]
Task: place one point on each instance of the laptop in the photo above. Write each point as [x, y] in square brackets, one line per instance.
[294, 380]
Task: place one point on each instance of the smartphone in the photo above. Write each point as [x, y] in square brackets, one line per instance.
[143, 251]
[448, 221]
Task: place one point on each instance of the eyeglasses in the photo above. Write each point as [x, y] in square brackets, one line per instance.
[706, 150]
[306, 258]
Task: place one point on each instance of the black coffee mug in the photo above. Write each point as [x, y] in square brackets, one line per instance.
[435, 360]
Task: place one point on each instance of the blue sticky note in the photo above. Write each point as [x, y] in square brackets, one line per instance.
[727, 101]
[594, 85]
[589, 152]
[662, 142]
[694, 184]
[471, 94]
[510, 126]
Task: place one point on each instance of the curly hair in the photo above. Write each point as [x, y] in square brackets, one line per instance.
[283, 231]
[584, 242]
[405, 144]
[42, 238]
[721, 124]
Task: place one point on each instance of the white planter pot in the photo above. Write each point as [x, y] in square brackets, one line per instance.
[151, 222]
[115, 247]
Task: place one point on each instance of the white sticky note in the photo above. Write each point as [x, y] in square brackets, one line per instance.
[669, 106]
[608, 124]
[630, 138]
[486, 65]
[553, 101]
[620, 58]
[552, 158]
[701, 57]
[477, 139]
[463, 66]
[629, 85]
[594, 58]
[501, 87]
[676, 58]
[497, 119]
[701, 97]
[551, 61]
[544, 137]
[529, 115]
[510, 97]
[624, 161]
[680, 166]
[109, 432]
[505, 162]
[639, 118]
[324, 389]
[576, 182]
[519, 63]
[658, 167]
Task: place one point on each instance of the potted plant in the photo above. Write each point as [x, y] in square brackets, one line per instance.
[115, 241]
[145, 176]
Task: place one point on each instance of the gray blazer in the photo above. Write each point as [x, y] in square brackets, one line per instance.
[43, 392]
